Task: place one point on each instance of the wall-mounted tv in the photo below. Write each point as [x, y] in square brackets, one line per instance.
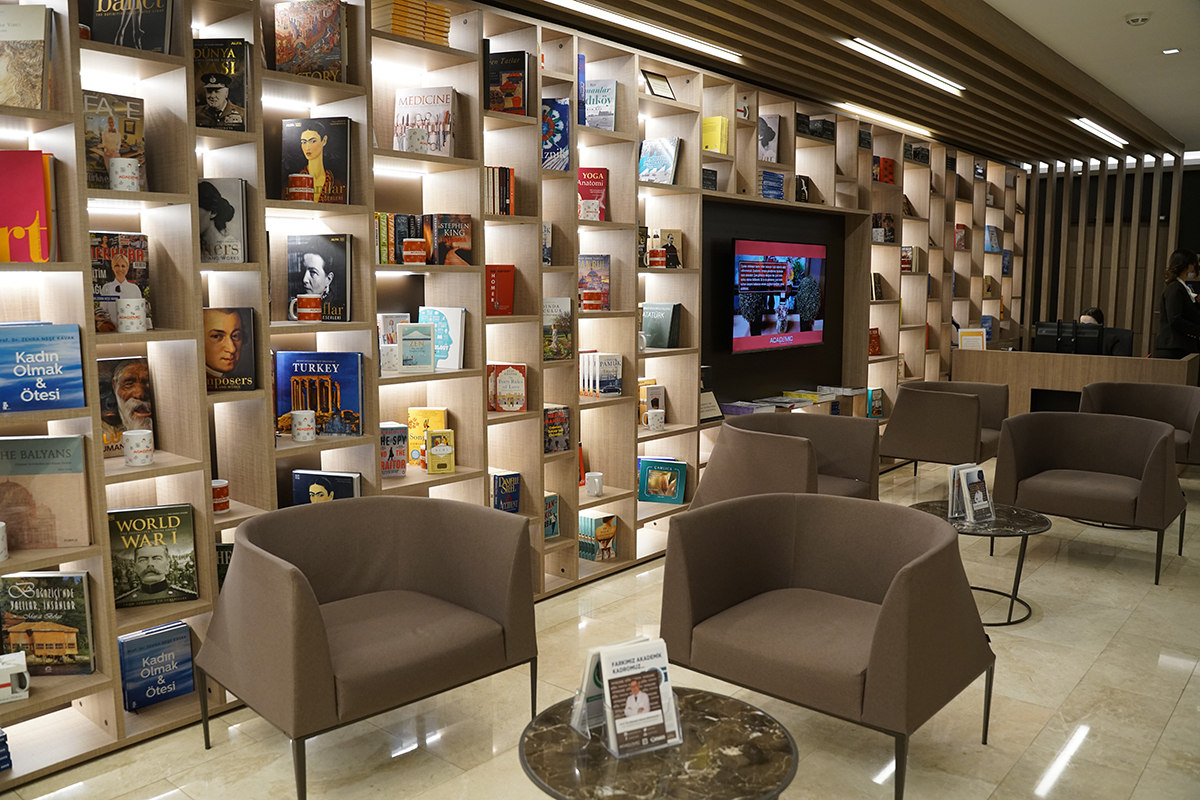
[779, 295]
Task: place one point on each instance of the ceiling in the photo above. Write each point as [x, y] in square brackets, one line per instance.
[1020, 97]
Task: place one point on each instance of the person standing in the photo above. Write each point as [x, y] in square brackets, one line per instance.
[1179, 316]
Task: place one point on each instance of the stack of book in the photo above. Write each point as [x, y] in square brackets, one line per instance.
[597, 530]
[5, 756]
[599, 374]
[501, 190]
[770, 184]
[412, 18]
[714, 134]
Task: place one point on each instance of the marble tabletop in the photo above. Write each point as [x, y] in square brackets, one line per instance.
[1009, 521]
[730, 751]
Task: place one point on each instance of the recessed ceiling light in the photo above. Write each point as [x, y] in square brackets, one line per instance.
[891, 122]
[1170, 51]
[1096, 130]
[643, 27]
[903, 65]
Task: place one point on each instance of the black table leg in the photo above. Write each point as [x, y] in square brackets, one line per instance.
[1017, 579]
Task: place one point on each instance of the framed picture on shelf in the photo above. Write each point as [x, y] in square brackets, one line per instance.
[658, 84]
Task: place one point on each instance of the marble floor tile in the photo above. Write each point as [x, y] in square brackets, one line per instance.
[1160, 616]
[159, 790]
[501, 778]
[1178, 750]
[1081, 575]
[1072, 622]
[569, 605]
[1042, 673]
[1165, 784]
[1077, 779]
[1144, 665]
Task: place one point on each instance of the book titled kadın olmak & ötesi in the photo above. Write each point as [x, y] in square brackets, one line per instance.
[156, 664]
[153, 555]
[40, 368]
[329, 383]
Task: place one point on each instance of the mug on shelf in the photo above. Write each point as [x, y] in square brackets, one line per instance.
[641, 342]
[413, 251]
[305, 307]
[657, 257]
[14, 677]
[124, 174]
[594, 483]
[131, 315]
[304, 426]
[139, 448]
[655, 419]
[300, 187]
[220, 496]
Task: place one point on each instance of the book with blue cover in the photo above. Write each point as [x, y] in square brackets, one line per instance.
[329, 383]
[1005, 263]
[156, 664]
[661, 480]
[556, 133]
[506, 490]
[40, 368]
[550, 527]
[657, 160]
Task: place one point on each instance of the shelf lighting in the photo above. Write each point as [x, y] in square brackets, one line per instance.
[901, 64]
[393, 273]
[674, 37]
[112, 206]
[1170, 51]
[1103, 133]
[399, 172]
[283, 104]
[891, 122]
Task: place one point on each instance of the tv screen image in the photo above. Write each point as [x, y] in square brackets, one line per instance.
[779, 296]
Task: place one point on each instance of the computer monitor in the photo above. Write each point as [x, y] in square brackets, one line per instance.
[1045, 337]
[1118, 342]
[1089, 339]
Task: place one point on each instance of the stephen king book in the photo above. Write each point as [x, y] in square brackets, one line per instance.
[328, 383]
[309, 37]
[153, 555]
[229, 360]
[114, 127]
[448, 239]
[221, 67]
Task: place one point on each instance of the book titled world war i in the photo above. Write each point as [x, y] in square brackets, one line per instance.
[137, 24]
[424, 120]
[156, 664]
[329, 383]
[153, 555]
[126, 400]
[221, 67]
[309, 39]
[319, 263]
[321, 148]
[47, 615]
[25, 56]
[40, 368]
[221, 215]
[120, 270]
[114, 127]
[229, 362]
[43, 492]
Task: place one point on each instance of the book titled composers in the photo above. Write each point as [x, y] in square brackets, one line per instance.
[592, 188]
[156, 664]
[319, 147]
[43, 493]
[221, 68]
[153, 555]
[309, 38]
[40, 368]
[120, 271]
[137, 24]
[25, 55]
[221, 216]
[424, 120]
[114, 127]
[47, 615]
[329, 383]
[319, 263]
[229, 350]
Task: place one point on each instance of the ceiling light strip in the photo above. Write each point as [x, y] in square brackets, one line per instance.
[674, 37]
[891, 122]
[1103, 133]
[902, 64]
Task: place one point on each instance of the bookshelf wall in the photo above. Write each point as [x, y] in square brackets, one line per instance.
[231, 435]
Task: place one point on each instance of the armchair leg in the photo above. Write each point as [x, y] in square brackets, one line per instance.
[202, 690]
[901, 764]
[533, 687]
[915, 464]
[1158, 554]
[1182, 519]
[298, 765]
[988, 681]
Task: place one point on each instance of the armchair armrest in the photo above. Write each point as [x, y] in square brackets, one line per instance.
[937, 426]
[1160, 498]
[993, 404]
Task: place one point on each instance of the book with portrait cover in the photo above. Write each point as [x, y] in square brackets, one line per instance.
[329, 383]
[229, 350]
[592, 187]
[320, 263]
[448, 239]
[137, 24]
[25, 217]
[153, 555]
[222, 219]
[309, 36]
[657, 160]
[319, 486]
[639, 701]
[25, 55]
[556, 133]
[114, 127]
[156, 664]
[221, 67]
[40, 367]
[768, 137]
[43, 492]
[423, 121]
[600, 104]
[126, 400]
[120, 269]
[47, 615]
[315, 146]
[508, 82]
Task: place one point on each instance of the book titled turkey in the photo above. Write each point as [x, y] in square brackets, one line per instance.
[137, 24]
[156, 664]
[40, 368]
[320, 263]
[25, 55]
[47, 615]
[320, 147]
[114, 127]
[43, 497]
[424, 120]
[221, 67]
[329, 383]
[592, 183]
[153, 555]
[309, 37]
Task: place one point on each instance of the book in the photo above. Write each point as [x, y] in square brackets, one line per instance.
[448, 332]
[505, 490]
[500, 286]
[229, 358]
[24, 214]
[44, 502]
[651, 396]
[556, 133]
[804, 190]
[309, 37]
[388, 326]
[508, 82]
[955, 506]
[822, 129]
[581, 89]
[329, 383]
[423, 121]
[708, 179]
[393, 449]
[550, 527]
[557, 329]
[416, 347]
[874, 342]
[547, 242]
[420, 421]
[113, 128]
[770, 185]
[321, 486]
[643, 247]
[864, 138]
[875, 403]
[556, 428]
[907, 208]
[153, 555]
[511, 387]
[447, 239]
[222, 71]
[320, 147]
[660, 323]
[886, 169]
[739, 407]
[883, 228]
[47, 615]
[439, 451]
[221, 217]
[120, 269]
[802, 124]
[594, 279]
[991, 239]
[592, 188]
[900, 366]
[40, 367]
[657, 160]
[224, 554]
[714, 134]
[710, 409]
[1006, 261]
[600, 104]
[156, 665]
[961, 241]
[126, 400]
[137, 25]
[977, 501]
[670, 241]
[25, 50]
[639, 701]
[321, 263]
[876, 286]
[907, 257]
[608, 375]
[662, 481]
[768, 137]
[991, 288]
[597, 535]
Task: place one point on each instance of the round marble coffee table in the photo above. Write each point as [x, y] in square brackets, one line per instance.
[730, 750]
[1009, 521]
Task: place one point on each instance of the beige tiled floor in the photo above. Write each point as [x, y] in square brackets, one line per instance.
[1105, 653]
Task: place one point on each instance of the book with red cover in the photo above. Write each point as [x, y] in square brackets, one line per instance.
[24, 215]
[593, 193]
[308, 39]
[874, 343]
[500, 280]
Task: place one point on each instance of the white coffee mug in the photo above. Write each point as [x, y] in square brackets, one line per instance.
[641, 342]
[594, 483]
[131, 315]
[124, 174]
[389, 357]
[138, 447]
[304, 426]
[14, 677]
[655, 419]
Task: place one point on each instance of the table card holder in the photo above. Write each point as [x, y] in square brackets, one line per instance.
[975, 496]
[955, 507]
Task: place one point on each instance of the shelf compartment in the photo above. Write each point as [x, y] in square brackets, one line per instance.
[672, 429]
[498, 120]
[286, 446]
[43, 557]
[713, 155]
[512, 318]
[565, 455]
[422, 163]
[131, 64]
[648, 512]
[662, 189]
[595, 137]
[32, 120]
[165, 463]
[591, 224]
[592, 570]
[160, 717]
[303, 208]
[287, 326]
[115, 200]
[428, 56]
[216, 139]
[608, 315]
[47, 692]
[392, 378]
[49, 415]
[501, 417]
[139, 618]
[510, 219]
[558, 543]
[554, 75]
[291, 89]
[418, 479]
[655, 107]
[237, 514]
[664, 352]
[612, 494]
[588, 403]
[156, 335]
[230, 397]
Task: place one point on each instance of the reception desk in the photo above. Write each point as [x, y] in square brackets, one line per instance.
[1029, 374]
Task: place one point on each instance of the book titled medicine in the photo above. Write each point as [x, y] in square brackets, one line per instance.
[156, 664]
[424, 120]
[40, 368]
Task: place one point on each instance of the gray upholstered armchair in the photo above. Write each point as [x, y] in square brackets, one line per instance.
[333, 613]
[1176, 405]
[1105, 468]
[946, 422]
[857, 609]
[747, 461]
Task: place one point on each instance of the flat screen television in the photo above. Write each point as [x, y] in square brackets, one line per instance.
[779, 295]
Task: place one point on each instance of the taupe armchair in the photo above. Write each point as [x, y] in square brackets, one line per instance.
[745, 462]
[336, 612]
[1174, 404]
[1106, 468]
[946, 422]
[857, 609]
